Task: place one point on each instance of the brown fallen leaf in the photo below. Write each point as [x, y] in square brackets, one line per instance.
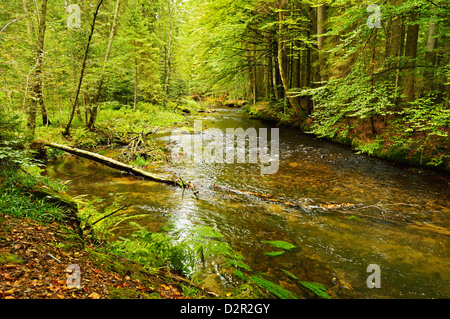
[8, 292]
[7, 276]
[94, 295]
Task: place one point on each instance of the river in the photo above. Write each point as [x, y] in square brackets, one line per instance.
[342, 212]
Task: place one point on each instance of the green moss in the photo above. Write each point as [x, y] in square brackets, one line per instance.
[112, 263]
[248, 291]
[7, 258]
[125, 293]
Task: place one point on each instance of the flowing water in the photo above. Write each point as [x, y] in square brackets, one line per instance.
[341, 210]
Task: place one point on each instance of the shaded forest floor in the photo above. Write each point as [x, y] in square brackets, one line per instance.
[41, 235]
[34, 258]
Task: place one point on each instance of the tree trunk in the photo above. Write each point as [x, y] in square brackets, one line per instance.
[119, 165]
[269, 73]
[135, 77]
[37, 97]
[321, 30]
[298, 110]
[410, 55]
[430, 58]
[97, 95]
[169, 53]
[372, 71]
[321, 17]
[83, 67]
[276, 70]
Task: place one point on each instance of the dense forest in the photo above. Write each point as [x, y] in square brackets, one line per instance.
[87, 73]
[375, 76]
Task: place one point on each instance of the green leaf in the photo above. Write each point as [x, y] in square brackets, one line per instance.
[289, 274]
[280, 244]
[317, 288]
[206, 231]
[274, 253]
[274, 289]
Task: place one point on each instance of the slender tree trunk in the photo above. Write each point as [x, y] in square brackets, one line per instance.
[372, 67]
[28, 20]
[276, 70]
[321, 30]
[410, 56]
[298, 110]
[135, 77]
[255, 75]
[83, 67]
[169, 53]
[37, 97]
[321, 17]
[101, 80]
[430, 58]
[269, 73]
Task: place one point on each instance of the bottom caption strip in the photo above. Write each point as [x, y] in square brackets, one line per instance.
[226, 308]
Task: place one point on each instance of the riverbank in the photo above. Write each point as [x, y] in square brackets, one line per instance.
[41, 236]
[392, 142]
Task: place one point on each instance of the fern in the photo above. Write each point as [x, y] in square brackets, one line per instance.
[209, 232]
[317, 288]
[274, 253]
[274, 289]
[280, 244]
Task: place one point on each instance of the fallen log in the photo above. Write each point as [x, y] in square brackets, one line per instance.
[166, 179]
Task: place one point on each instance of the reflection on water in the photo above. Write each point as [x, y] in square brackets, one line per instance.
[394, 217]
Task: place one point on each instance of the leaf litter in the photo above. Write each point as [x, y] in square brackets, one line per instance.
[34, 258]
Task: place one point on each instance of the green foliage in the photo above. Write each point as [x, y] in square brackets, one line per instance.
[351, 96]
[289, 274]
[280, 244]
[154, 250]
[427, 115]
[274, 253]
[208, 232]
[84, 138]
[146, 118]
[141, 161]
[17, 190]
[273, 288]
[317, 288]
[370, 148]
[12, 144]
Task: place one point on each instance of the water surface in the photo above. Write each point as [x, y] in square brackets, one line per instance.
[341, 210]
